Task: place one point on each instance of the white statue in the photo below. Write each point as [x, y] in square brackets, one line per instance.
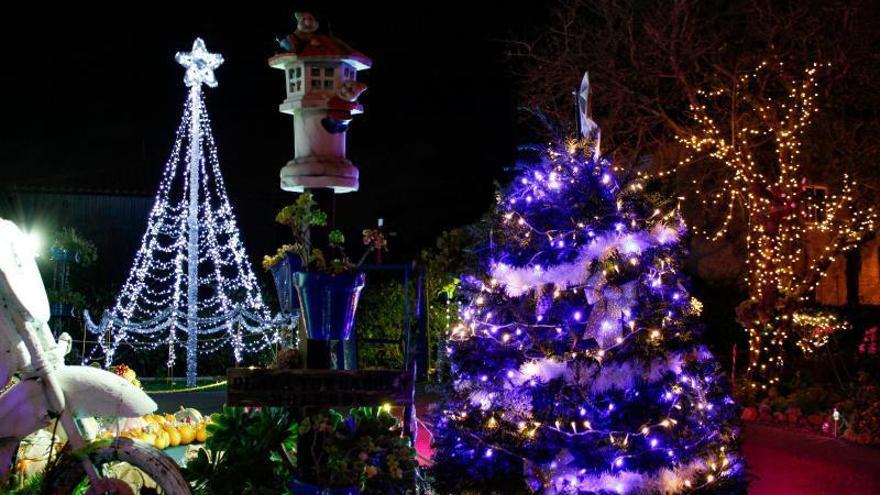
[47, 389]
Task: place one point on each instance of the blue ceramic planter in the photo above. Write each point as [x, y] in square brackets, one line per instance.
[299, 488]
[328, 303]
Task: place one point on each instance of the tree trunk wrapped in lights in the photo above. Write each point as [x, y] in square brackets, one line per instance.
[752, 125]
[577, 366]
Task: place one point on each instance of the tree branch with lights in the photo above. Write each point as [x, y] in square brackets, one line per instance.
[752, 125]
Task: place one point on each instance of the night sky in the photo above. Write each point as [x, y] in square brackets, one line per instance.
[91, 100]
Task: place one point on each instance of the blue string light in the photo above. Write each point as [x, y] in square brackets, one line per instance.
[576, 363]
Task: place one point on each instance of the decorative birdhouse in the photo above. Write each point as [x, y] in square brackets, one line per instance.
[322, 90]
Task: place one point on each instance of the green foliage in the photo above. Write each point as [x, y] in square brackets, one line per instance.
[69, 240]
[454, 253]
[254, 452]
[301, 216]
[336, 238]
[247, 452]
[363, 449]
[30, 486]
[380, 316]
[381, 309]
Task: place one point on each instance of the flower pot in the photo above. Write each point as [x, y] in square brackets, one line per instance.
[299, 488]
[328, 303]
[282, 274]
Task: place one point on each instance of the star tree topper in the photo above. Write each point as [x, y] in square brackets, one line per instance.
[200, 65]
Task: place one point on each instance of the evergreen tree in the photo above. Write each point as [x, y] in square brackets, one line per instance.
[578, 367]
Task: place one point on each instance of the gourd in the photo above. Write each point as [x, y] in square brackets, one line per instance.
[189, 415]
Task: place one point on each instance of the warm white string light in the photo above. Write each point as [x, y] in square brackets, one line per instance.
[780, 272]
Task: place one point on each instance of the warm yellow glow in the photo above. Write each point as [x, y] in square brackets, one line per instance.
[733, 123]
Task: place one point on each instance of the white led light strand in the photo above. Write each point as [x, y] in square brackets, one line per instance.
[191, 286]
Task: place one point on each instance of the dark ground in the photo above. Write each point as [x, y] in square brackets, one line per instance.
[794, 463]
[207, 402]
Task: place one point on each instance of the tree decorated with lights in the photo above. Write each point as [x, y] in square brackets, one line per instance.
[753, 125]
[191, 285]
[577, 367]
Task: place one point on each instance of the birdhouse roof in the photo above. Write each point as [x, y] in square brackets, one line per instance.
[317, 47]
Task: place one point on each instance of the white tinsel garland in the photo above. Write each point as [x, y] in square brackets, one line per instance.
[601, 378]
[518, 281]
[665, 481]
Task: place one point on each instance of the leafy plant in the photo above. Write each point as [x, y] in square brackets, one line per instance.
[248, 452]
[363, 449]
[82, 253]
[380, 315]
[255, 451]
[68, 239]
[301, 217]
[30, 486]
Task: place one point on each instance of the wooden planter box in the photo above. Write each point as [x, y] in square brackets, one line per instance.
[319, 388]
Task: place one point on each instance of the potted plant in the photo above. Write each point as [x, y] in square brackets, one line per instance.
[362, 453]
[328, 285]
[248, 451]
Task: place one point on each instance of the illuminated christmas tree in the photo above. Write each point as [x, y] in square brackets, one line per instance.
[749, 130]
[191, 285]
[578, 368]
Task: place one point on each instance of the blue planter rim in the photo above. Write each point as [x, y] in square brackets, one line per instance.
[328, 302]
[341, 280]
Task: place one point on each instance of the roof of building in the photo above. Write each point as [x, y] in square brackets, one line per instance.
[308, 44]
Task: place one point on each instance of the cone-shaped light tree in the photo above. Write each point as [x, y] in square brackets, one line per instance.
[191, 285]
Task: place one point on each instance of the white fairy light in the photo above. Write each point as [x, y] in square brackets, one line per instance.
[200, 65]
[191, 274]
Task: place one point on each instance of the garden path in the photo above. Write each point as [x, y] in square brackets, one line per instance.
[785, 462]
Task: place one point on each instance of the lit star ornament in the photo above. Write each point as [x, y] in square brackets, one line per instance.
[200, 65]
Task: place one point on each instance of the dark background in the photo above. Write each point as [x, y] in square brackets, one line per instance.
[91, 99]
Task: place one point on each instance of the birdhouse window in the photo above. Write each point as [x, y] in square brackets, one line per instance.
[815, 210]
[322, 78]
[294, 78]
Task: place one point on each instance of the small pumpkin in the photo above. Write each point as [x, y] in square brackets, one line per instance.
[187, 434]
[201, 434]
[174, 436]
